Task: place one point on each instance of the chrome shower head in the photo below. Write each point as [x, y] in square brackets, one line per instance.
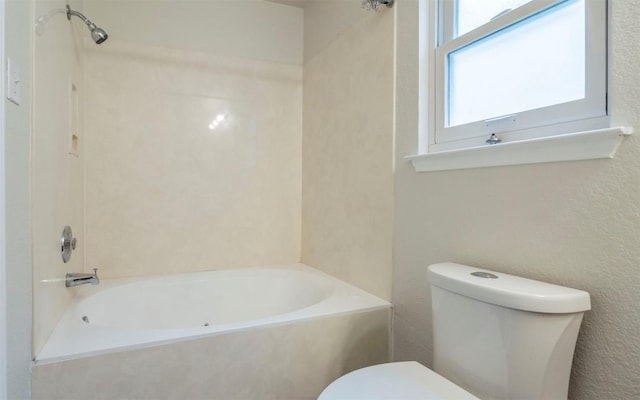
[97, 34]
[374, 4]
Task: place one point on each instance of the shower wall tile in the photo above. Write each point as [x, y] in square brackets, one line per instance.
[57, 175]
[324, 21]
[347, 206]
[255, 29]
[291, 361]
[168, 189]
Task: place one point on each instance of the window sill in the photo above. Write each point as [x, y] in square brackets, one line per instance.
[588, 145]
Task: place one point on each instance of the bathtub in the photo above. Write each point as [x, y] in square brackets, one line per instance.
[168, 324]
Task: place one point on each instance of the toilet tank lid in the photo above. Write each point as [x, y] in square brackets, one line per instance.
[508, 290]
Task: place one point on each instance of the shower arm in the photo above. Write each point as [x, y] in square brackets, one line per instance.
[97, 34]
[84, 19]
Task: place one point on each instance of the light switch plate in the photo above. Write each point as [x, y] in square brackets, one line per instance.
[13, 82]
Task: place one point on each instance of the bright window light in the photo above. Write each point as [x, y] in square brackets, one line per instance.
[537, 63]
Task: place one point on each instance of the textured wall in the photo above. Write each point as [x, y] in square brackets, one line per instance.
[167, 194]
[16, 249]
[347, 195]
[574, 223]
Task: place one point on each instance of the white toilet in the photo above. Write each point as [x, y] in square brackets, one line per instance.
[495, 336]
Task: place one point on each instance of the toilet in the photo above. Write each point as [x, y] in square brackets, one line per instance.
[495, 336]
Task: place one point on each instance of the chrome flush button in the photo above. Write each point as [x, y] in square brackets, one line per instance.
[485, 275]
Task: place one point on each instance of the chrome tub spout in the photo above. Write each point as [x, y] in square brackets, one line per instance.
[75, 278]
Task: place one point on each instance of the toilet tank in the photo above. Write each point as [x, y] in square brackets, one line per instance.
[501, 336]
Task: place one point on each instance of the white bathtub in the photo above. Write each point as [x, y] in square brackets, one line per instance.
[127, 314]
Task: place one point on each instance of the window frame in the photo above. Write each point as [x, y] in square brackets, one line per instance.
[580, 115]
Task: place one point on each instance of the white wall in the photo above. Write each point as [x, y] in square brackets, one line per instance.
[254, 29]
[3, 269]
[572, 223]
[347, 183]
[17, 256]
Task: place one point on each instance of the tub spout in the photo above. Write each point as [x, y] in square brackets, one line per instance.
[75, 278]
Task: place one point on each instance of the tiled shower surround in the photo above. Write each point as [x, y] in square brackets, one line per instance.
[159, 167]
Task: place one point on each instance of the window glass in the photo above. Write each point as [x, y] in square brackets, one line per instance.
[470, 14]
[536, 63]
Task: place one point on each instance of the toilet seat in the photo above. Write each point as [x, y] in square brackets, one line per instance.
[407, 380]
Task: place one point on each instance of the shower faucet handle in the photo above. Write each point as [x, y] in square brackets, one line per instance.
[67, 243]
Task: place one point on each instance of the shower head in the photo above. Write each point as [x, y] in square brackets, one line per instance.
[97, 34]
[374, 4]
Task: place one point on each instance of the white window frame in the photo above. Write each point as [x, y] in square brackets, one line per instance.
[586, 134]
[592, 106]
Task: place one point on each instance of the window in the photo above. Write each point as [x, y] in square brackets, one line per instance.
[519, 69]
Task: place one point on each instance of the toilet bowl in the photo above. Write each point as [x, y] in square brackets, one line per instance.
[495, 336]
[406, 380]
